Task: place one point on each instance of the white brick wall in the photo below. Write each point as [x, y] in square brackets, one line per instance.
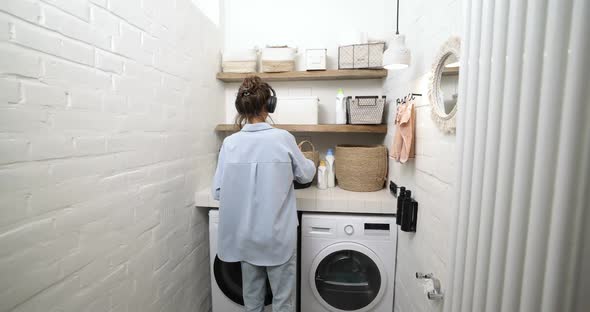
[430, 177]
[102, 146]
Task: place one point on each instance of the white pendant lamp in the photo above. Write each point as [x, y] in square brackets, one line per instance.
[397, 55]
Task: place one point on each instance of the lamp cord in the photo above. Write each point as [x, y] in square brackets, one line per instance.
[397, 20]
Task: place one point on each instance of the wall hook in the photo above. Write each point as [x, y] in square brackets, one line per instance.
[436, 293]
[410, 96]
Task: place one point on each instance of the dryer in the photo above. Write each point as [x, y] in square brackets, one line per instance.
[347, 263]
[226, 277]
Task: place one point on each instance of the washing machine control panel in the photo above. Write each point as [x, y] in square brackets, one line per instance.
[349, 229]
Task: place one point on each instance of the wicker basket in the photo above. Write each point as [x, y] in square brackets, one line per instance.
[361, 168]
[313, 155]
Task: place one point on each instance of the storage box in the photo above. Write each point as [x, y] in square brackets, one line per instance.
[302, 110]
[242, 61]
[242, 67]
[365, 110]
[315, 59]
[278, 59]
[277, 66]
[358, 56]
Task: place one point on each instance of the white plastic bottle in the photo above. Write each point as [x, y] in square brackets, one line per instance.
[322, 176]
[340, 108]
[330, 168]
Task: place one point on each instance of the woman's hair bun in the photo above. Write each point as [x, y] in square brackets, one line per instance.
[251, 99]
[252, 84]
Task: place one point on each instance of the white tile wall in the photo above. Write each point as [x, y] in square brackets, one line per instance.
[431, 175]
[103, 142]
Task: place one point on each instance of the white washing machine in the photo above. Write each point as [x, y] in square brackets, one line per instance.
[347, 263]
[226, 277]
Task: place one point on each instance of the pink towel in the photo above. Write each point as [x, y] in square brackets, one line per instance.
[403, 141]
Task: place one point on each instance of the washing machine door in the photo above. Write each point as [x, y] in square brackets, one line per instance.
[228, 276]
[348, 277]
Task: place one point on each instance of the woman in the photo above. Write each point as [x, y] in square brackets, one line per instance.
[257, 215]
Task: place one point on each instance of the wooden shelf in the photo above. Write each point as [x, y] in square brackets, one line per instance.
[379, 129]
[348, 74]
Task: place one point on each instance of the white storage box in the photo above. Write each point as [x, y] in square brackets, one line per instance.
[301, 110]
[278, 59]
[315, 59]
[243, 61]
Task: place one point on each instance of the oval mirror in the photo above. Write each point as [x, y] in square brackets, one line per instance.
[444, 85]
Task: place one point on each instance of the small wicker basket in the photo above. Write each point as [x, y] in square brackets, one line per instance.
[361, 168]
[313, 155]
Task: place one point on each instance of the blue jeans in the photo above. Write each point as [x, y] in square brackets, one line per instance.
[283, 280]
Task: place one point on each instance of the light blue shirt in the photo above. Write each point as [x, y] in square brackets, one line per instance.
[254, 186]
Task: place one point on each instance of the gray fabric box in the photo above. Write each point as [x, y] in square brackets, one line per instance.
[359, 56]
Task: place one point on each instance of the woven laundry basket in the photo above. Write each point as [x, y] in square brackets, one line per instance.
[313, 155]
[361, 168]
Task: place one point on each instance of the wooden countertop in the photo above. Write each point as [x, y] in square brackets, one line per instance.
[335, 199]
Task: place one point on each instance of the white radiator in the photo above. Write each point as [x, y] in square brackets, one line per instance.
[524, 149]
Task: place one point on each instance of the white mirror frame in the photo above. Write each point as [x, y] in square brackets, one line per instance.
[445, 122]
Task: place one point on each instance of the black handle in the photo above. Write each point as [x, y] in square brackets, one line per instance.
[400, 199]
[408, 216]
